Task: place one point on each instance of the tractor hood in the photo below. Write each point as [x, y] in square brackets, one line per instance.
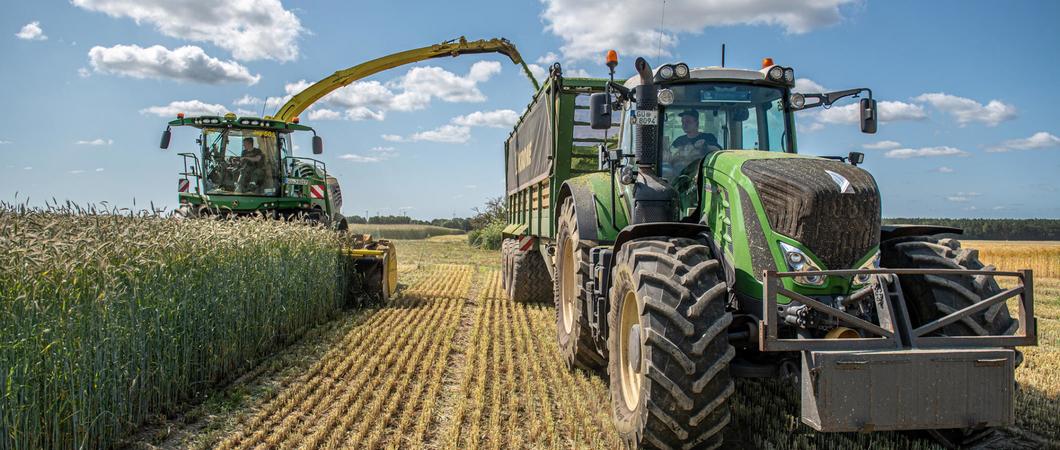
[828, 208]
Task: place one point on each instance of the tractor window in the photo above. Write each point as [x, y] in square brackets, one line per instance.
[241, 162]
[706, 117]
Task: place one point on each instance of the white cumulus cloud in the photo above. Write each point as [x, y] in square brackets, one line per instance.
[95, 142]
[453, 134]
[906, 153]
[250, 29]
[324, 114]
[501, 118]
[374, 155]
[889, 112]
[882, 145]
[188, 63]
[31, 32]
[588, 28]
[1037, 140]
[808, 86]
[966, 110]
[189, 107]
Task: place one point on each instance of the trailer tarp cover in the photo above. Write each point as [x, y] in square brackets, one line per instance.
[529, 147]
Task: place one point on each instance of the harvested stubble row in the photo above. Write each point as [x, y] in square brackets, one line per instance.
[443, 281]
[109, 319]
[372, 390]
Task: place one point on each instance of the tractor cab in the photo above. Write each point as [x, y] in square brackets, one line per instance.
[246, 165]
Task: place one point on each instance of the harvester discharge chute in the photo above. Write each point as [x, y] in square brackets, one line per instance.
[247, 166]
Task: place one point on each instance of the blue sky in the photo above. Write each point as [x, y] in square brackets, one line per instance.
[965, 89]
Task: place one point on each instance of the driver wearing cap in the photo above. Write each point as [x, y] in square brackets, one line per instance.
[692, 145]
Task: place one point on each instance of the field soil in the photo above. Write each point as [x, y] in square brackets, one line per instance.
[453, 364]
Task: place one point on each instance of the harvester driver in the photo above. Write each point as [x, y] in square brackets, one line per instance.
[692, 145]
[253, 170]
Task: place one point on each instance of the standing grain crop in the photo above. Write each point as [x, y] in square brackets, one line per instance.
[107, 319]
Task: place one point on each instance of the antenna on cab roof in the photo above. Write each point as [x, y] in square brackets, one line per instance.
[723, 55]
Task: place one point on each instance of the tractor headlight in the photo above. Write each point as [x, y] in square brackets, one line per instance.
[798, 101]
[681, 70]
[666, 72]
[798, 261]
[666, 96]
[872, 263]
[789, 75]
[776, 73]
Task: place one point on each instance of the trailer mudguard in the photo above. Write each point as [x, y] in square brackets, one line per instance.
[897, 231]
[591, 194]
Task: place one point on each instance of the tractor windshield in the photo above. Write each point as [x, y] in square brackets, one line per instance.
[241, 162]
[706, 117]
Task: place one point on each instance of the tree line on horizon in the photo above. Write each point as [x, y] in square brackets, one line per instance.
[993, 229]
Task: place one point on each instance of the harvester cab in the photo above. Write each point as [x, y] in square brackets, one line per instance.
[702, 246]
[246, 165]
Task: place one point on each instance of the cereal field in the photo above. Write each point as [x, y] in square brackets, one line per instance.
[453, 364]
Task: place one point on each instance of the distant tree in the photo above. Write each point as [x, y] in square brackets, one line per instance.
[1001, 229]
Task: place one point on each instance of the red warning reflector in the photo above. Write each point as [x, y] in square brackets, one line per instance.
[183, 185]
[316, 191]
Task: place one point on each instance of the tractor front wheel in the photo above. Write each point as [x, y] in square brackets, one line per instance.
[669, 351]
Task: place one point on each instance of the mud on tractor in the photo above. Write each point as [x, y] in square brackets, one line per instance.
[686, 242]
[246, 166]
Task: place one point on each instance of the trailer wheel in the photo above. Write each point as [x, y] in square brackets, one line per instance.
[507, 246]
[668, 345]
[529, 281]
[929, 297]
[576, 341]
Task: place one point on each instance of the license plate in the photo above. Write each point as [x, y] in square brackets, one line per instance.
[298, 181]
[646, 117]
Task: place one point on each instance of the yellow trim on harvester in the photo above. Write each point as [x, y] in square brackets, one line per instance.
[364, 252]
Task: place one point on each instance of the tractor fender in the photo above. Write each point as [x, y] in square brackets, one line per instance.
[584, 209]
[672, 229]
[897, 231]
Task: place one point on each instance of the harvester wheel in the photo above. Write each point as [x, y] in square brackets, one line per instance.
[572, 271]
[529, 281]
[929, 297]
[668, 345]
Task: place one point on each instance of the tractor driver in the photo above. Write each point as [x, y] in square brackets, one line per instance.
[691, 146]
[253, 170]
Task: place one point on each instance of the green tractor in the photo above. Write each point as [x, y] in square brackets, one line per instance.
[686, 242]
[245, 166]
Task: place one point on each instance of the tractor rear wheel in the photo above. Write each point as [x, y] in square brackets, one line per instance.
[529, 281]
[576, 341]
[930, 297]
[668, 345]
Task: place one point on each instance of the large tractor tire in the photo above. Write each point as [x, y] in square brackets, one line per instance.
[529, 281]
[576, 341]
[929, 297]
[668, 344]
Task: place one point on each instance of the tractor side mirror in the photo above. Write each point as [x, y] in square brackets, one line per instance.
[855, 158]
[868, 116]
[166, 135]
[318, 145]
[599, 111]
